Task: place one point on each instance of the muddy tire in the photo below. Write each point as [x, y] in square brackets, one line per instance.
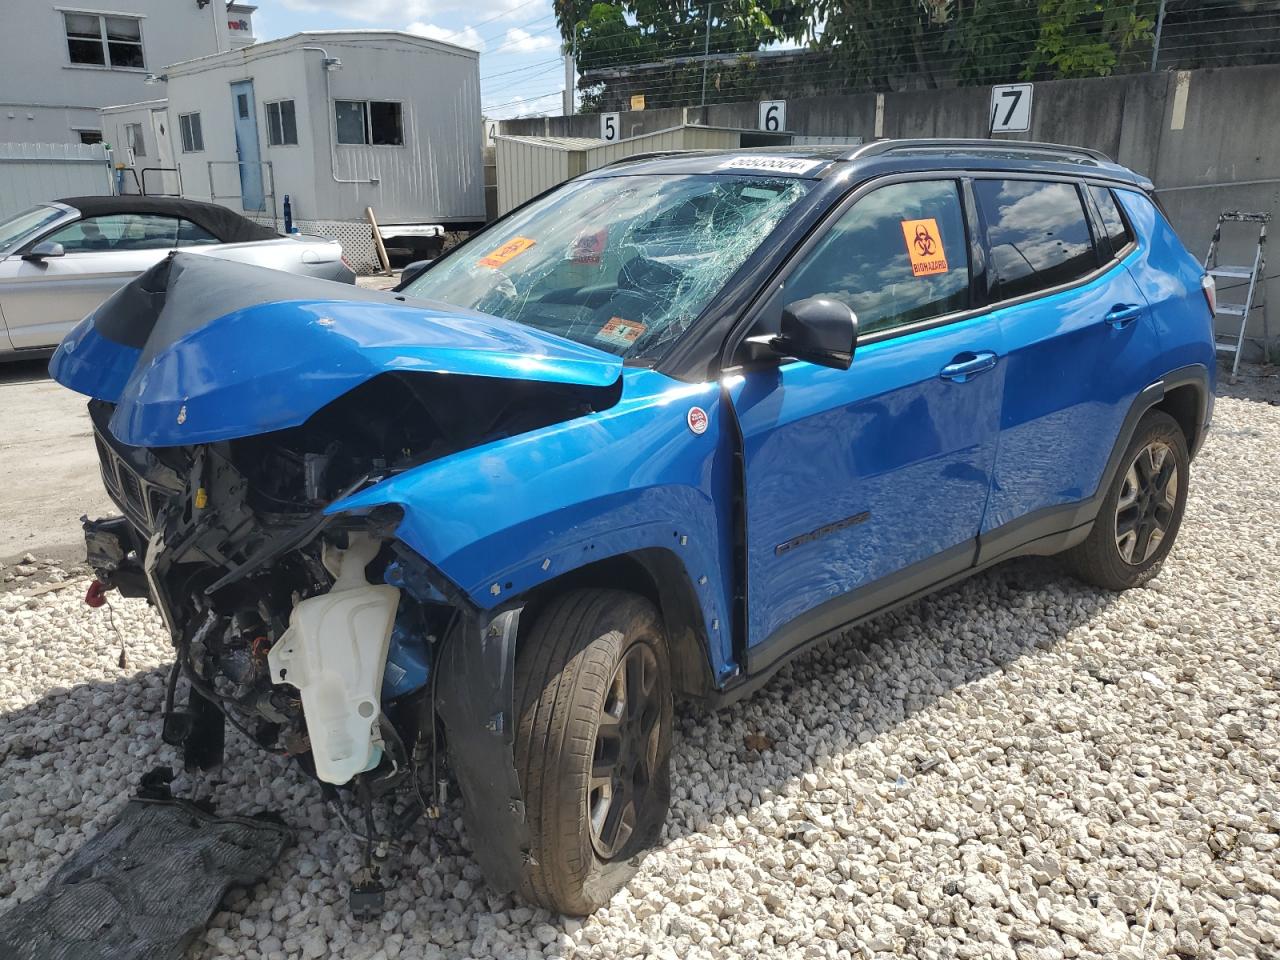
[1140, 516]
[593, 694]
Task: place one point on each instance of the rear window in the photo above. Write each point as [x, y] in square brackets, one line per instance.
[1113, 225]
[1037, 232]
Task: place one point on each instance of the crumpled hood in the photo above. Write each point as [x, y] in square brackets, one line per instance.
[198, 350]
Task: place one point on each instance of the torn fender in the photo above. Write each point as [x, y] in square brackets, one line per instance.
[198, 350]
[500, 519]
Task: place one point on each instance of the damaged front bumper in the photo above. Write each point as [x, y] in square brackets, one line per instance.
[332, 680]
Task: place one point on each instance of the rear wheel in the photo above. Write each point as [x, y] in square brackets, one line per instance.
[1140, 517]
[593, 692]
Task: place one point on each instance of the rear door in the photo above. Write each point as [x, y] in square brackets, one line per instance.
[853, 477]
[1080, 340]
[43, 300]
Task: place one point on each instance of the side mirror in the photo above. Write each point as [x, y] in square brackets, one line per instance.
[818, 330]
[42, 251]
[411, 273]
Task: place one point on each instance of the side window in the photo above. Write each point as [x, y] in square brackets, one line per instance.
[1038, 234]
[191, 131]
[1113, 224]
[899, 255]
[120, 231]
[191, 235]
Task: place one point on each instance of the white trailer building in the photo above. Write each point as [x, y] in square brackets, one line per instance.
[339, 121]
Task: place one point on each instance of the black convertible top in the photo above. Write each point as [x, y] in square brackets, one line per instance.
[227, 226]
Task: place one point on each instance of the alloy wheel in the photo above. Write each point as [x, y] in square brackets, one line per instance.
[624, 761]
[1147, 502]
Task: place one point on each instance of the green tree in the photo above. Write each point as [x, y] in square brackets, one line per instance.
[1088, 38]
[643, 31]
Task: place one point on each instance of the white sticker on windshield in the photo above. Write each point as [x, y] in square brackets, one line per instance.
[775, 164]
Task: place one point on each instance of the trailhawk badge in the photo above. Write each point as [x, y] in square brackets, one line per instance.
[698, 420]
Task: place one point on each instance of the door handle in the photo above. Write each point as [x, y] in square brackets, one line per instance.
[1123, 314]
[967, 366]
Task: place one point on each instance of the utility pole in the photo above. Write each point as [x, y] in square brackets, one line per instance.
[1155, 51]
[706, 47]
[569, 80]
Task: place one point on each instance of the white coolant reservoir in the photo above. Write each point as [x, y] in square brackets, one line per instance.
[334, 652]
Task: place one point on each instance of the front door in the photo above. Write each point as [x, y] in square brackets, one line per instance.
[164, 181]
[246, 118]
[865, 480]
[43, 300]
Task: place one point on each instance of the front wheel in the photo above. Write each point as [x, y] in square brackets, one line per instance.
[1140, 516]
[593, 692]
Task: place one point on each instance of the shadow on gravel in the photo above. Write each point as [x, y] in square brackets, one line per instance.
[1257, 382]
[902, 662]
[854, 689]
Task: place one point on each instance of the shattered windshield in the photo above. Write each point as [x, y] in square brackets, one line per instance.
[624, 263]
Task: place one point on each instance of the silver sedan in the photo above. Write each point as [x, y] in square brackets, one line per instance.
[59, 260]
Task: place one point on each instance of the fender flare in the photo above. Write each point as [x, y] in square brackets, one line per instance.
[1193, 375]
[476, 680]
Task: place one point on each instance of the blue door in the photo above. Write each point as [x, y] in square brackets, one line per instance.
[247, 152]
[853, 476]
[1077, 357]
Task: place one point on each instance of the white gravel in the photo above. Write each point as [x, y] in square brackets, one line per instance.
[1018, 767]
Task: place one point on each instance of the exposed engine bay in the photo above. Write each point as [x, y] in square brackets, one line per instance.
[316, 636]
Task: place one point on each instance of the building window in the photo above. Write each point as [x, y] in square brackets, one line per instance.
[89, 136]
[133, 139]
[192, 135]
[282, 124]
[377, 122]
[97, 40]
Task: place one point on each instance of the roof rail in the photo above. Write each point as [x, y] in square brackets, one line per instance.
[652, 155]
[878, 147]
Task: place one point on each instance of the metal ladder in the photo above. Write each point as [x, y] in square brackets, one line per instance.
[1255, 274]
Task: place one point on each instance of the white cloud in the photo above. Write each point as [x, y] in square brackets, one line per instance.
[522, 41]
[371, 11]
[466, 37]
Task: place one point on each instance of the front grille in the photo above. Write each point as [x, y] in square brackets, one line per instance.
[140, 501]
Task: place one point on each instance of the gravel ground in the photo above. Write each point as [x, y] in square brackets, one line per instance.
[1017, 767]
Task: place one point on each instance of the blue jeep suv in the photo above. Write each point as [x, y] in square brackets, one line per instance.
[644, 438]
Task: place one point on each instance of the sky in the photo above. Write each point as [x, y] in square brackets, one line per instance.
[521, 70]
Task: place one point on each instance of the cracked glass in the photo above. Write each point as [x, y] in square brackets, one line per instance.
[625, 264]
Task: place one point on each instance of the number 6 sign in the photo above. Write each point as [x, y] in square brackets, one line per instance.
[773, 115]
[1011, 108]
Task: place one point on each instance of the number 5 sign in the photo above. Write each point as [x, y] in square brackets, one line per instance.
[773, 115]
[1011, 108]
[609, 127]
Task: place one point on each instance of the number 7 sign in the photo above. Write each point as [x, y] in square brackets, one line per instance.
[1011, 108]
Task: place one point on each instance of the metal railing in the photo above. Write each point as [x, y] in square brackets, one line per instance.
[268, 187]
[161, 170]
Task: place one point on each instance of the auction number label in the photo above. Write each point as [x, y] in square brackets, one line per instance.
[1011, 108]
[773, 115]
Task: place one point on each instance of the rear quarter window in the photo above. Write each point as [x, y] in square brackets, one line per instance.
[1113, 224]
[1037, 232]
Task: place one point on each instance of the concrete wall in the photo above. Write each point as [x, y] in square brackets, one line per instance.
[44, 97]
[436, 176]
[1208, 139]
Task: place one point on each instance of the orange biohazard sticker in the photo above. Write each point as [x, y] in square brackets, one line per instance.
[619, 332]
[924, 247]
[512, 248]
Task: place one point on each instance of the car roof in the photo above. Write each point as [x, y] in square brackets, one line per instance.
[225, 224]
[879, 157]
